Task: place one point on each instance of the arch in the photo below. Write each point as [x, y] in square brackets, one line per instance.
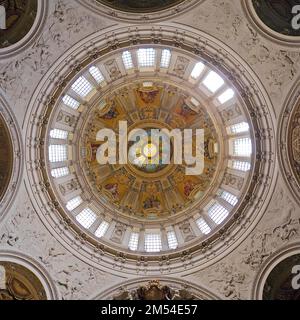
[40, 272]
[197, 291]
[101, 7]
[269, 265]
[14, 49]
[6, 157]
[265, 30]
[287, 141]
[17, 157]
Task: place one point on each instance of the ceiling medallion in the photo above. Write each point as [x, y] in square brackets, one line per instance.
[153, 290]
[282, 282]
[11, 161]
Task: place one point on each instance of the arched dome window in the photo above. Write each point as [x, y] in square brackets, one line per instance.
[143, 197]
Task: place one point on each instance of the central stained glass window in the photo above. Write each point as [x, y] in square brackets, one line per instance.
[150, 152]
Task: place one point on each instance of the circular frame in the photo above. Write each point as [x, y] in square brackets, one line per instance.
[7, 150]
[263, 29]
[115, 14]
[292, 103]
[203, 253]
[269, 265]
[15, 257]
[201, 292]
[17, 169]
[25, 42]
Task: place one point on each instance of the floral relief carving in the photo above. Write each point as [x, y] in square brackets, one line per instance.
[234, 275]
[276, 67]
[65, 25]
[283, 227]
[232, 281]
[24, 232]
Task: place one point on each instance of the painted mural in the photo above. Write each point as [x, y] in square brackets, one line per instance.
[148, 187]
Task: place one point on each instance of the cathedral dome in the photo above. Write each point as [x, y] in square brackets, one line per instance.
[149, 206]
[140, 209]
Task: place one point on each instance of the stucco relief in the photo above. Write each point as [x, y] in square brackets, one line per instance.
[66, 24]
[158, 288]
[233, 276]
[24, 232]
[139, 11]
[276, 65]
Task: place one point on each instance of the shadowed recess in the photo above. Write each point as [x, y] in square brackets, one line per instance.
[277, 15]
[19, 283]
[19, 18]
[6, 158]
[279, 283]
[141, 5]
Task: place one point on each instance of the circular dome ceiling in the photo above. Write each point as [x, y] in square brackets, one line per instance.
[132, 214]
[158, 199]
[140, 6]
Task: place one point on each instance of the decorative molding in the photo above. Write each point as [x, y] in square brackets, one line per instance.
[268, 265]
[291, 106]
[259, 107]
[41, 273]
[35, 31]
[136, 17]
[234, 275]
[18, 161]
[199, 292]
[263, 29]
